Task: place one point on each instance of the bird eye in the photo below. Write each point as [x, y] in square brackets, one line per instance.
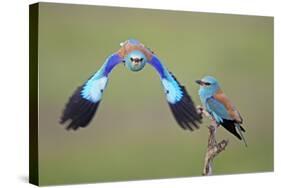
[131, 59]
[141, 59]
[207, 83]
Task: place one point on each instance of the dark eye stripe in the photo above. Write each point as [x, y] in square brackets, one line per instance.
[207, 83]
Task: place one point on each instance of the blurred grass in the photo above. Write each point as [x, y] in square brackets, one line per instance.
[134, 135]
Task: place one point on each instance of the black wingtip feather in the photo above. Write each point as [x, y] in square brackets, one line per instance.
[178, 119]
[78, 111]
[185, 111]
[229, 125]
[242, 129]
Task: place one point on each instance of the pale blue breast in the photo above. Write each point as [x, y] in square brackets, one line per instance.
[214, 107]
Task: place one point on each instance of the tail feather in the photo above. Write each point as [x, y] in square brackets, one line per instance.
[240, 129]
[234, 128]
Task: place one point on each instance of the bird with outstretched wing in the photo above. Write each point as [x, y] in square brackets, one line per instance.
[83, 104]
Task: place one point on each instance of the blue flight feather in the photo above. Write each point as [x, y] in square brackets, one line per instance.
[172, 88]
[94, 87]
[178, 99]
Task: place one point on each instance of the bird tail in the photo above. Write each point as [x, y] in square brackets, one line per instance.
[234, 128]
[239, 128]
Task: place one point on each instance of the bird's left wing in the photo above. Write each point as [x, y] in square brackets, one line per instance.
[232, 111]
[83, 104]
[177, 97]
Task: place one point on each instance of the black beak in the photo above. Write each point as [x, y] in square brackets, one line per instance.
[199, 82]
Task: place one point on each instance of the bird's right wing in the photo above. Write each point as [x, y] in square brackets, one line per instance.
[83, 104]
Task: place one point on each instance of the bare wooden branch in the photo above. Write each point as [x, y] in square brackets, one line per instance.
[214, 148]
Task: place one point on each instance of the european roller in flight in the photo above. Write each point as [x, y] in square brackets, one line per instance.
[83, 104]
[218, 105]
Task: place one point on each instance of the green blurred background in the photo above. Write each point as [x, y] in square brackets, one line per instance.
[134, 135]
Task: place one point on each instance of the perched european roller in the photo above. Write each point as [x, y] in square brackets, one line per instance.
[82, 105]
[218, 105]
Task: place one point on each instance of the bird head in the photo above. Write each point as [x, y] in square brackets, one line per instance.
[208, 85]
[135, 60]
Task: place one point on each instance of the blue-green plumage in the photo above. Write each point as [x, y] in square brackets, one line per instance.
[220, 107]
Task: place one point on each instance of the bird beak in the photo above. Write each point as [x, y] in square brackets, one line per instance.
[136, 63]
[199, 82]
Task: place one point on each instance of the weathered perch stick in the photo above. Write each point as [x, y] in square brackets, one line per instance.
[214, 148]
